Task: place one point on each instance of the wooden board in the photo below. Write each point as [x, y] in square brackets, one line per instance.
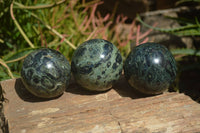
[115, 111]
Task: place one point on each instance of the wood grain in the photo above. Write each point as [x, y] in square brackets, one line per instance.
[115, 111]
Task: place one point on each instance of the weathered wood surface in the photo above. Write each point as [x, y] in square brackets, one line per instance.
[115, 111]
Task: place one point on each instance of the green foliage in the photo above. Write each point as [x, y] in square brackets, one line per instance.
[189, 29]
[184, 1]
[186, 52]
[62, 25]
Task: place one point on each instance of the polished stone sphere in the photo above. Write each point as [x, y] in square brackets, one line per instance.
[96, 65]
[46, 73]
[150, 68]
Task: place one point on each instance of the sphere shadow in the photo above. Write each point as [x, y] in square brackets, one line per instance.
[77, 89]
[189, 83]
[25, 95]
[124, 89]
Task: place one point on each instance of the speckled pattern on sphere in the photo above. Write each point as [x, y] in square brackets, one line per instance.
[150, 68]
[46, 73]
[96, 65]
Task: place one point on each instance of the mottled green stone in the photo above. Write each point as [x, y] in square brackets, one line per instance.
[46, 73]
[150, 68]
[96, 65]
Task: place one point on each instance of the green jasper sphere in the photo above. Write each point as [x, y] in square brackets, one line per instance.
[96, 65]
[46, 73]
[150, 68]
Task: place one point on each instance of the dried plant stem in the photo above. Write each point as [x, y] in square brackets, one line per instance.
[137, 35]
[92, 34]
[18, 59]
[46, 25]
[38, 7]
[89, 4]
[1, 40]
[54, 31]
[179, 56]
[8, 69]
[92, 14]
[19, 27]
[60, 36]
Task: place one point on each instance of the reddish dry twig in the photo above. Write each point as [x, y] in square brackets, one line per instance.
[41, 35]
[85, 10]
[94, 23]
[131, 30]
[137, 35]
[145, 33]
[140, 36]
[92, 15]
[59, 21]
[145, 40]
[104, 30]
[106, 17]
[84, 22]
[92, 34]
[74, 17]
[63, 17]
[90, 18]
[64, 35]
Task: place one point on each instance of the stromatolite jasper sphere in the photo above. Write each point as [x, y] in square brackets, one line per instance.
[150, 68]
[96, 65]
[46, 73]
